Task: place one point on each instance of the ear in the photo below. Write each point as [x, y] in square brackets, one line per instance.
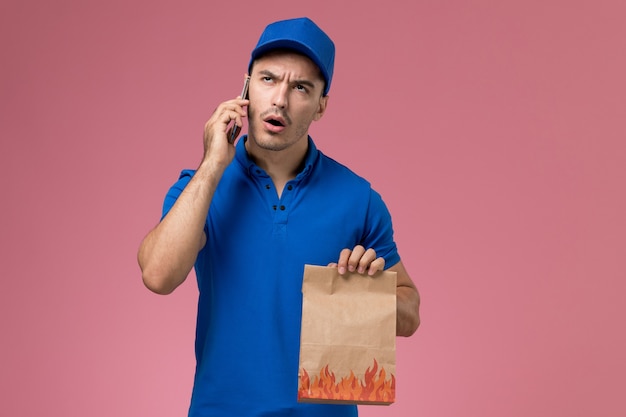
[321, 108]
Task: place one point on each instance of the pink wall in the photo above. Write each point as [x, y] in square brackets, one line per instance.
[494, 130]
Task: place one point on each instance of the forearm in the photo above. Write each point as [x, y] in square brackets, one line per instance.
[169, 251]
[407, 302]
[407, 316]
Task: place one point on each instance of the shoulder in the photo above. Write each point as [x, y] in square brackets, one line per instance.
[332, 170]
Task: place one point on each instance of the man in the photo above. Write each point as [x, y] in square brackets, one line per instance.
[274, 204]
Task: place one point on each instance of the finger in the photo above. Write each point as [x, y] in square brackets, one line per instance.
[233, 133]
[342, 264]
[377, 265]
[225, 110]
[236, 110]
[225, 116]
[366, 259]
[355, 258]
[239, 102]
[332, 265]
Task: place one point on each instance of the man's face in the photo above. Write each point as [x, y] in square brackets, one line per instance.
[285, 97]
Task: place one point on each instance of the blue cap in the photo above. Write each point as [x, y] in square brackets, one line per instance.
[303, 36]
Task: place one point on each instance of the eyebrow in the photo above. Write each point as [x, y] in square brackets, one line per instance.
[306, 82]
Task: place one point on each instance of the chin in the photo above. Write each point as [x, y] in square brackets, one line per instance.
[272, 145]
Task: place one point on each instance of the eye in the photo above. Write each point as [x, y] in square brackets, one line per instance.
[302, 88]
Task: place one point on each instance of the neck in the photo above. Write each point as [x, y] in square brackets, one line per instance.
[282, 165]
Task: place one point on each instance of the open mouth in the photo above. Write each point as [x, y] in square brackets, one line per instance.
[275, 121]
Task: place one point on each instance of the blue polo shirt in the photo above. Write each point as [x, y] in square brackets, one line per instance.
[250, 278]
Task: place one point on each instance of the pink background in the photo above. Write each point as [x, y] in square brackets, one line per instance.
[494, 130]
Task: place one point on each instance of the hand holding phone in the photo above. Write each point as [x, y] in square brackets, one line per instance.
[244, 95]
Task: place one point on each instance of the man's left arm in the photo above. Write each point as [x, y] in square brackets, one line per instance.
[407, 302]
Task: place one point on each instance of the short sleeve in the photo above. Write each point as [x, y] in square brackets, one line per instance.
[378, 232]
[175, 191]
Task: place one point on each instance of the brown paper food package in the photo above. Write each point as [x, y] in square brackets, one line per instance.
[348, 337]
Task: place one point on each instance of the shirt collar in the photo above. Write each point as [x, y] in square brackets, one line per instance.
[312, 155]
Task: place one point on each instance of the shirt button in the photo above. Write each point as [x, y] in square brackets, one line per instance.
[274, 207]
[290, 187]
[282, 207]
[268, 186]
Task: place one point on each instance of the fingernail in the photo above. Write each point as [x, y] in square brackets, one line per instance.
[342, 270]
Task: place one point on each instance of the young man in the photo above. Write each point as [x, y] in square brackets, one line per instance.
[252, 215]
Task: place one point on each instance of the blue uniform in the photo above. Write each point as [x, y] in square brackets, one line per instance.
[250, 278]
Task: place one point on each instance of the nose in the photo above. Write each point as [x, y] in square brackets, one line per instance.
[280, 98]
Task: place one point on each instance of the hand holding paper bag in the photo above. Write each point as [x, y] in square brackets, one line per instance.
[347, 349]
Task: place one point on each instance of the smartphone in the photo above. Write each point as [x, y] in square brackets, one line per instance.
[244, 95]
